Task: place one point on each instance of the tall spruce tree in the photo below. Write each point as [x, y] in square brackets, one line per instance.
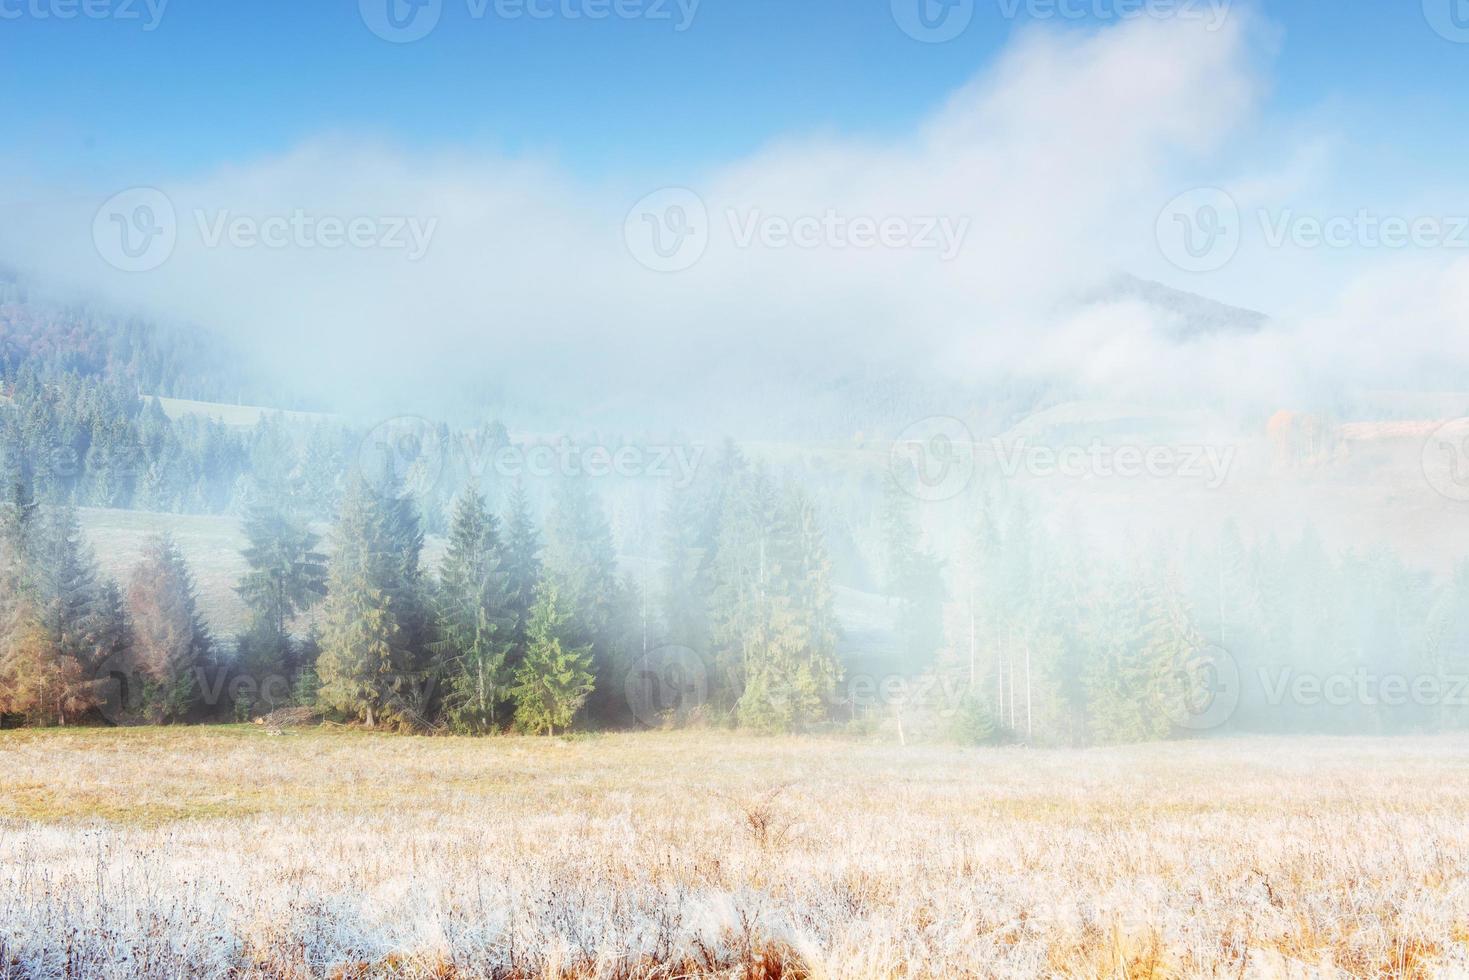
[743, 580]
[418, 687]
[59, 626]
[170, 642]
[772, 627]
[19, 516]
[285, 575]
[582, 559]
[474, 618]
[63, 581]
[685, 593]
[522, 547]
[368, 667]
[556, 678]
[793, 668]
[523, 571]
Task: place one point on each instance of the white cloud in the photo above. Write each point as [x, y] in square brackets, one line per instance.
[1056, 160]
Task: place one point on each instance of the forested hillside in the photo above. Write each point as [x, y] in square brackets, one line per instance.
[612, 580]
[50, 338]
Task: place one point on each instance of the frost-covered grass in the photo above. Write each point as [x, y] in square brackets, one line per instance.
[229, 852]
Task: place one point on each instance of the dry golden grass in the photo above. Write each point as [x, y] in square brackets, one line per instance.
[232, 853]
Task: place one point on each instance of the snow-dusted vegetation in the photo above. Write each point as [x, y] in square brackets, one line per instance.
[232, 853]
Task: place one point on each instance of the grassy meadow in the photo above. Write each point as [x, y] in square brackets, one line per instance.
[234, 852]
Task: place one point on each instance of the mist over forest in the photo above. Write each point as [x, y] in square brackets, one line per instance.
[899, 434]
[1013, 559]
[650, 489]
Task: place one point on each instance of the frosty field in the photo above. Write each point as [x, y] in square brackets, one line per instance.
[231, 852]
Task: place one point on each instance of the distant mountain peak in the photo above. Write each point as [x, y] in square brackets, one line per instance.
[1189, 316]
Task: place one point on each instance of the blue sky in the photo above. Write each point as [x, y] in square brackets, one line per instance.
[1061, 152]
[217, 82]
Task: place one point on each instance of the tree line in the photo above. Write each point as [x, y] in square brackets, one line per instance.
[1053, 636]
[532, 622]
[66, 632]
[51, 338]
[522, 625]
[95, 442]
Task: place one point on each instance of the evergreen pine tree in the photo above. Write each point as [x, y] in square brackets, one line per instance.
[685, 597]
[792, 668]
[170, 643]
[63, 581]
[367, 667]
[418, 690]
[914, 576]
[285, 575]
[473, 615]
[522, 549]
[555, 679]
[582, 559]
[18, 524]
